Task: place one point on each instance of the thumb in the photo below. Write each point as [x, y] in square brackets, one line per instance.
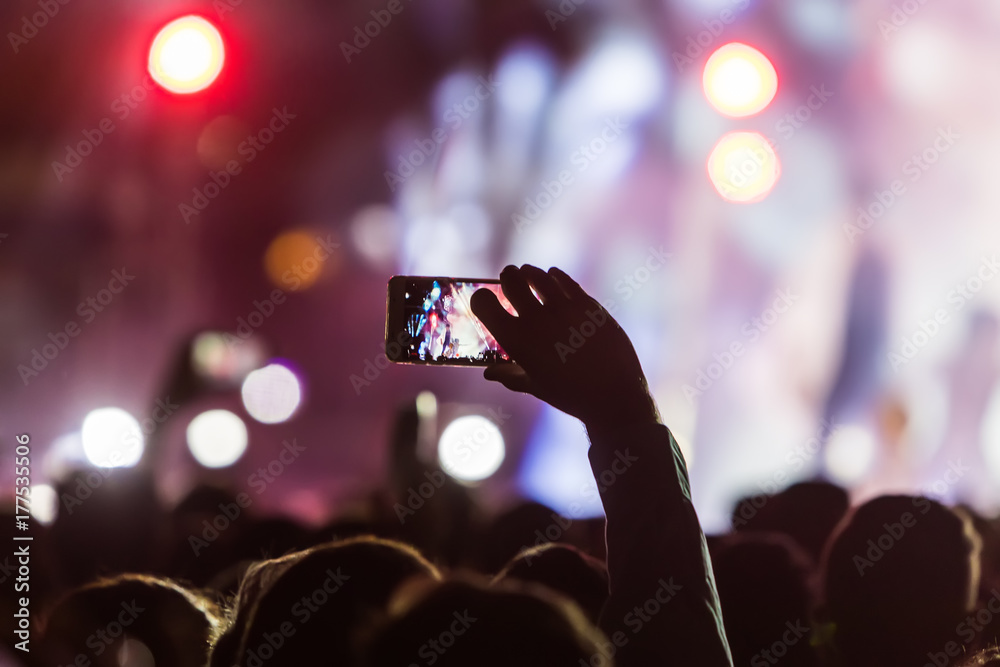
[511, 376]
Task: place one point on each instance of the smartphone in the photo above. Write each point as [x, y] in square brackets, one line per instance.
[429, 321]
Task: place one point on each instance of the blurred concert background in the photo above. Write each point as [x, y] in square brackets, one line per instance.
[790, 206]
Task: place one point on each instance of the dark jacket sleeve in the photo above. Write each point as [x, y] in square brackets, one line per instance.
[663, 609]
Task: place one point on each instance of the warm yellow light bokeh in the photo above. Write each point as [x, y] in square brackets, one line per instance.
[743, 167]
[739, 80]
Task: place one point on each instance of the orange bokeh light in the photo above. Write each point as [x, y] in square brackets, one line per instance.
[296, 259]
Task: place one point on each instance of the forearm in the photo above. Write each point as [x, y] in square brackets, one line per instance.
[663, 608]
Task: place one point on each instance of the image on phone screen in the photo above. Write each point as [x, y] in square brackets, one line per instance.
[433, 322]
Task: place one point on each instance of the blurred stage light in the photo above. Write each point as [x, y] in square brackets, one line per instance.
[427, 405]
[927, 66]
[471, 448]
[743, 167]
[990, 436]
[681, 414]
[134, 653]
[525, 73]
[272, 394]
[186, 55]
[225, 362]
[217, 438]
[474, 225]
[739, 80]
[434, 245]
[375, 232]
[850, 454]
[295, 259]
[112, 438]
[554, 469]
[64, 455]
[821, 25]
[44, 504]
[621, 74]
[712, 9]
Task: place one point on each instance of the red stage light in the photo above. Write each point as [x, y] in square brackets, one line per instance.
[187, 55]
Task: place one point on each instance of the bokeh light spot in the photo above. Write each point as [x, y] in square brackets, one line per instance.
[186, 55]
[375, 232]
[295, 259]
[44, 504]
[217, 438]
[272, 394]
[471, 448]
[743, 167]
[220, 361]
[739, 80]
[112, 438]
[850, 454]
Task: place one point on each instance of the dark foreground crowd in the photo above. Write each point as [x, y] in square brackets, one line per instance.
[803, 579]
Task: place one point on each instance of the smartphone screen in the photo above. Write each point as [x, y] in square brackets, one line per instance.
[430, 321]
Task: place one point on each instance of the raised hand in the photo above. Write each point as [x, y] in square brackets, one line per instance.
[568, 350]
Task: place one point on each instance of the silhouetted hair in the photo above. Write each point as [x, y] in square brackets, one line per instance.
[463, 623]
[989, 658]
[566, 570]
[898, 576]
[807, 512]
[510, 533]
[176, 625]
[314, 603]
[764, 585]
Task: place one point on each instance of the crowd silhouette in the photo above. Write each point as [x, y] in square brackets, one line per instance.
[803, 579]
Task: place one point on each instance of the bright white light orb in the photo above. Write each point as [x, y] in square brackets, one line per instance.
[217, 438]
[850, 454]
[44, 504]
[272, 394]
[739, 80]
[187, 55]
[112, 438]
[471, 448]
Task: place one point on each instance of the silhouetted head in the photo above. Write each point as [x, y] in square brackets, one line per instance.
[899, 575]
[255, 581]
[763, 582]
[462, 623]
[526, 525]
[313, 603]
[130, 613]
[807, 512]
[566, 570]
